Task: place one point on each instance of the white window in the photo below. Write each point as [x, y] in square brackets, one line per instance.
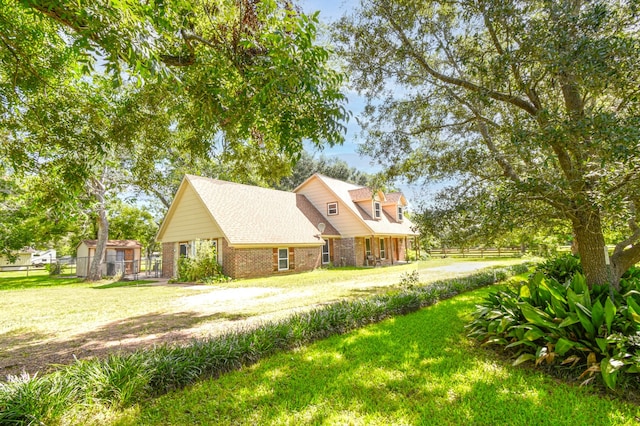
[332, 209]
[325, 253]
[283, 259]
[367, 246]
[377, 211]
[400, 214]
[382, 249]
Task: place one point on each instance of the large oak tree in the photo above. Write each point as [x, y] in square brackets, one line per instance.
[537, 102]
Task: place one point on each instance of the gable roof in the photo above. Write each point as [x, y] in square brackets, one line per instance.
[396, 198]
[349, 194]
[251, 215]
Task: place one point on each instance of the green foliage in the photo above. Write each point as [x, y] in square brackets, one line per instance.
[561, 268]
[241, 84]
[410, 279]
[565, 326]
[202, 266]
[28, 400]
[121, 380]
[334, 167]
[56, 268]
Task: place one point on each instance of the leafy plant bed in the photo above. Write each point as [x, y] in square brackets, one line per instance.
[120, 381]
[582, 333]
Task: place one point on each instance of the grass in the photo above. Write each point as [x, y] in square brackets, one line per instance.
[22, 280]
[121, 380]
[415, 369]
[47, 320]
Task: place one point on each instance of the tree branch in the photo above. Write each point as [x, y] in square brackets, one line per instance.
[531, 93]
[633, 226]
[473, 87]
[507, 168]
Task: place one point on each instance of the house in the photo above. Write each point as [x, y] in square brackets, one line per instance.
[372, 225]
[259, 231]
[122, 257]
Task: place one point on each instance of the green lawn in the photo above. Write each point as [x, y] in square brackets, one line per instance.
[18, 280]
[45, 320]
[416, 369]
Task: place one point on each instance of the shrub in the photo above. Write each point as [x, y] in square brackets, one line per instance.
[203, 266]
[565, 326]
[55, 268]
[561, 268]
[410, 279]
[31, 400]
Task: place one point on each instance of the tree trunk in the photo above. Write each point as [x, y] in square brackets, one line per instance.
[95, 271]
[587, 227]
[574, 245]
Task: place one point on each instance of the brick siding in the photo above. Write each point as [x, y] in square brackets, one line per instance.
[345, 252]
[168, 260]
[261, 262]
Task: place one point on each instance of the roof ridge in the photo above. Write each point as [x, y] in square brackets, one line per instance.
[247, 185]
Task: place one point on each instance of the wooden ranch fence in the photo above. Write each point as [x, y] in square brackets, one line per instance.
[476, 252]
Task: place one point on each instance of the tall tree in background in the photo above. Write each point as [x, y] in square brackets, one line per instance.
[336, 168]
[71, 139]
[536, 103]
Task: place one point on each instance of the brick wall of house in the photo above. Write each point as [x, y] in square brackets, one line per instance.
[249, 263]
[345, 249]
[168, 260]
[261, 262]
[402, 250]
[228, 258]
[358, 252]
[308, 258]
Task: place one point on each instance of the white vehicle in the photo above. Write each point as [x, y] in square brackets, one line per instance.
[44, 257]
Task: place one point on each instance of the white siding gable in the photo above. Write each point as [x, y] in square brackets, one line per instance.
[190, 220]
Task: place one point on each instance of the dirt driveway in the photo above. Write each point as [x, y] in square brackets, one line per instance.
[188, 312]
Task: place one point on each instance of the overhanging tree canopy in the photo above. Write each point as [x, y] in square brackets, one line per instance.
[540, 98]
[242, 80]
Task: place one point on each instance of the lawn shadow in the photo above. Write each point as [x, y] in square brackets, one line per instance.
[117, 284]
[36, 352]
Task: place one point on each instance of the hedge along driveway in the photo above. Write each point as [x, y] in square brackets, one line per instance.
[414, 369]
[55, 320]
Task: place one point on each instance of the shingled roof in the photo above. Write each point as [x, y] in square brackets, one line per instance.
[251, 215]
[350, 194]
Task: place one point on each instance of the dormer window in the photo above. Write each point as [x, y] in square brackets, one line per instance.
[377, 210]
[332, 209]
[400, 214]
